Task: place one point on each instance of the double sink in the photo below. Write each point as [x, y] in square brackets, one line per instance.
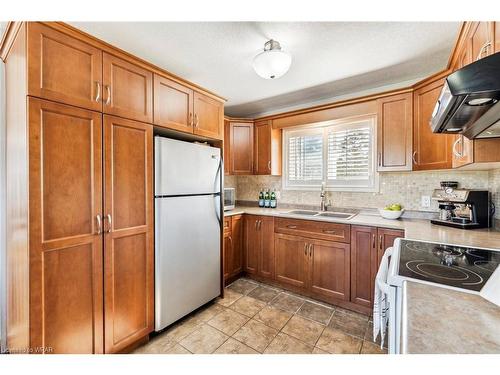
[331, 214]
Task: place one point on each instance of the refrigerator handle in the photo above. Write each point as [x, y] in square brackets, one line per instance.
[218, 175]
[219, 208]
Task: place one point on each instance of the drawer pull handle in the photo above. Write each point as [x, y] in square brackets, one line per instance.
[292, 226]
[328, 231]
[305, 249]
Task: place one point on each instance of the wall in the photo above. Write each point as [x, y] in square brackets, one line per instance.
[395, 187]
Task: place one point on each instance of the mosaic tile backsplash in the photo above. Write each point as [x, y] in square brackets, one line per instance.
[406, 188]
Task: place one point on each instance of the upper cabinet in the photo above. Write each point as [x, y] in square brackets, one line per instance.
[481, 39]
[430, 150]
[208, 116]
[395, 123]
[127, 89]
[267, 149]
[241, 148]
[63, 69]
[496, 35]
[173, 104]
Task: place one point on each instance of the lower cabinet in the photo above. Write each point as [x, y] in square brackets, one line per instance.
[315, 266]
[259, 246]
[233, 247]
[368, 245]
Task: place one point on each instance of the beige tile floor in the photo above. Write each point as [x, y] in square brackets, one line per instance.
[255, 318]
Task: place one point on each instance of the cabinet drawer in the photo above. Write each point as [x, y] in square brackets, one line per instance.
[314, 229]
[227, 224]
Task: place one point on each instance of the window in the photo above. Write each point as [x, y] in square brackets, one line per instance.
[339, 153]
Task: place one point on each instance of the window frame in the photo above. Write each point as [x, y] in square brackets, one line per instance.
[373, 185]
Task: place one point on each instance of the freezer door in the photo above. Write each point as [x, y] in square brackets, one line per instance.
[183, 168]
[187, 255]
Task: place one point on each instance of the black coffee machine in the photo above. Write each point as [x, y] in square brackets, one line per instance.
[463, 208]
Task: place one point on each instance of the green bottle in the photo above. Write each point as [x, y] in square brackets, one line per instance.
[267, 199]
[274, 203]
[261, 199]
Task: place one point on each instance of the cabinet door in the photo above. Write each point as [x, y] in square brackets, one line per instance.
[173, 105]
[252, 244]
[395, 126]
[291, 260]
[127, 89]
[329, 273]
[481, 39]
[208, 116]
[65, 248]
[496, 36]
[128, 239]
[386, 239]
[63, 69]
[266, 254]
[267, 149]
[363, 256]
[430, 150]
[227, 147]
[228, 250]
[241, 148]
[237, 245]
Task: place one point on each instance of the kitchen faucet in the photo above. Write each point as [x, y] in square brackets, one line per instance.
[324, 203]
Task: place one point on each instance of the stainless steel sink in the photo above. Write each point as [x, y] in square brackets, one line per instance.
[332, 214]
[303, 212]
[337, 215]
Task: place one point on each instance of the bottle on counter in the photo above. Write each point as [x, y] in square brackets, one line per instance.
[267, 199]
[261, 199]
[273, 202]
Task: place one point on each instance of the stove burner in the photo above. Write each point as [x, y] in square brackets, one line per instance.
[476, 253]
[453, 273]
[447, 250]
[416, 246]
[486, 265]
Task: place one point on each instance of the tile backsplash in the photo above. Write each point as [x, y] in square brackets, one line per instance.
[406, 188]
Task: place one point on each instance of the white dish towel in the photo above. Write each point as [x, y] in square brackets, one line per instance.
[381, 303]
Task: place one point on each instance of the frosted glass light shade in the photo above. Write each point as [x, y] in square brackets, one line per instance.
[272, 63]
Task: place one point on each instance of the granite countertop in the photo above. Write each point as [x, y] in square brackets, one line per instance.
[445, 321]
[415, 229]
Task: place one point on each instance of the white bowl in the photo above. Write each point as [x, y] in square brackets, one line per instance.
[389, 214]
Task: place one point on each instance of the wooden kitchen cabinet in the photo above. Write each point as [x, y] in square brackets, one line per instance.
[63, 69]
[368, 245]
[173, 104]
[65, 248]
[259, 246]
[233, 247]
[329, 270]
[127, 89]
[395, 132]
[430, 150]
[208, 116]
[227, 147]
[481, 38]
[291, 260]
[496, 36]
[128, 232]
[241, 148]
[267, 149]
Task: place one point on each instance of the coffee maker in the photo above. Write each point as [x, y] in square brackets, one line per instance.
[463, 208]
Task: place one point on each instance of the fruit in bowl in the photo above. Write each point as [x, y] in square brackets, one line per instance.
[391, 211]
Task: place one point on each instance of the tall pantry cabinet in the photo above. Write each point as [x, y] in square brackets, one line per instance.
[79, 149]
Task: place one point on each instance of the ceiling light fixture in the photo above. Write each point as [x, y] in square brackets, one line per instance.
[273, 62]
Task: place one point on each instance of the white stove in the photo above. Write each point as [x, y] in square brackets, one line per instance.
[466, 269]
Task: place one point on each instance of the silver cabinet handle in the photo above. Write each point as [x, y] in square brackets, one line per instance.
[260, 224]
[413, 156]
[291, 226]
[108, 90]
[379, 157]
[99, 224]
[108, 218]
[484, 47]
[454, 148]
[256, 224]
[305, 248]
[311, 247]
[98, 91]
[329, 231]
[269, 165]
[374, 246]
[191, 123]
[196, 120]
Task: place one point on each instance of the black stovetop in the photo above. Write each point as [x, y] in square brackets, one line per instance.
[457, 266]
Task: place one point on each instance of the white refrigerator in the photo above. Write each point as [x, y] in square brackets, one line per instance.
[188, 212]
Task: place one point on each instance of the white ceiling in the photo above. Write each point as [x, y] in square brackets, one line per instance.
[330, 59]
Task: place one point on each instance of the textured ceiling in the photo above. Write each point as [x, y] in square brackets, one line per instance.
[330, 59]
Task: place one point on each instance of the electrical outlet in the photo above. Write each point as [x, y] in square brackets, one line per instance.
[426, 201]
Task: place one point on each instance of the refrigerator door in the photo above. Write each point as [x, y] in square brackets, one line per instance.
[183, 168]
[187, 255]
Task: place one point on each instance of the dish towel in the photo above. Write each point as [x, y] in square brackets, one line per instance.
[380, 303]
